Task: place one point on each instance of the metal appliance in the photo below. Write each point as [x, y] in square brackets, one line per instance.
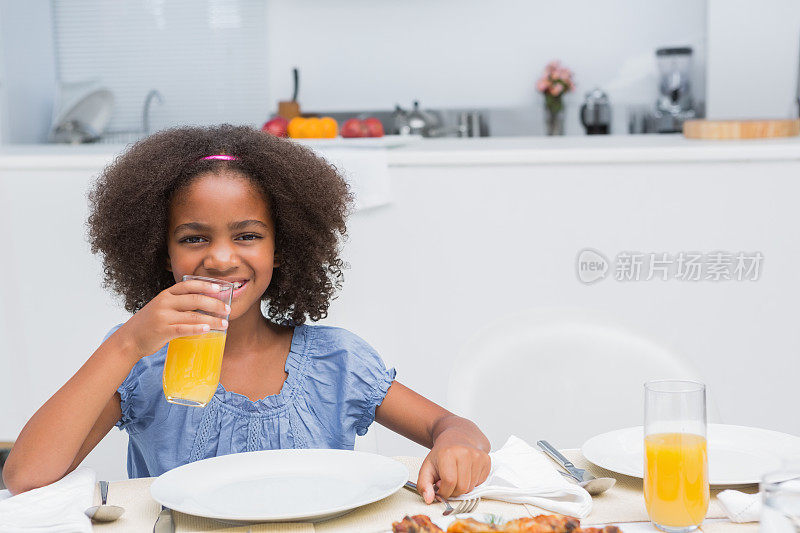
[440, 123]
[596, 113]
[421, 122]
[81, 112]
[674, 104]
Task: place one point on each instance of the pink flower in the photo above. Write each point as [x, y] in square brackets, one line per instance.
[563, 74]
[542, 85]
[556, 79]
[556, 89]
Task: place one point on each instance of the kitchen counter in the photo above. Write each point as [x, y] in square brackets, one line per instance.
[594, 149]
[480, 151]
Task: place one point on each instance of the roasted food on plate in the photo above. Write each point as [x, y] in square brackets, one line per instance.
[419, 523]
[537, 524]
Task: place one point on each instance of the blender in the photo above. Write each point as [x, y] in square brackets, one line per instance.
[674, 104]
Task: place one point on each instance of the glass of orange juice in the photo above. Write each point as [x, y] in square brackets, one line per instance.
[193, 364]
[675, 454]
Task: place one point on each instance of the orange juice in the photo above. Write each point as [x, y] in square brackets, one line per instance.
[676, 479]
[191, 371]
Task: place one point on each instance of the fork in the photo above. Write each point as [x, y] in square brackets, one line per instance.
[464, 506]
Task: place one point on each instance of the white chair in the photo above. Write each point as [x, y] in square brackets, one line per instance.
[557, 376]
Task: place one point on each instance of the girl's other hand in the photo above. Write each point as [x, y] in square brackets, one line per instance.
[454, 465]
[174, 313]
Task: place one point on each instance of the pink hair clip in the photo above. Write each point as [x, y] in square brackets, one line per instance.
[220, 157]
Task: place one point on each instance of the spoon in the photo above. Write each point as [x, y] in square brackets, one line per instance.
[593, 486]
[103, 512]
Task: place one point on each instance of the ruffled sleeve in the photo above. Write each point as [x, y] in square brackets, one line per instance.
[369, 370]
[138, 395]
[348, 375]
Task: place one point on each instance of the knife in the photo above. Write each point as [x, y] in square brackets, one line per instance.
[164, 522]
[578, 473]
[586, 480]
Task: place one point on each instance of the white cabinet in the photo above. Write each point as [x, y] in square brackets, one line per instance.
[462, 244]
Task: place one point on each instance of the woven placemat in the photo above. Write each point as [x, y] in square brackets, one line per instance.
[622, 503]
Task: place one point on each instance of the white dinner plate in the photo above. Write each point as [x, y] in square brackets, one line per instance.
[737, 455]
[279, 485]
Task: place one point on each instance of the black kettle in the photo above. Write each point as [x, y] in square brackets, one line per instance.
[596, 113]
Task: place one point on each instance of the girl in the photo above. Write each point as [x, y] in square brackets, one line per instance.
[231, 203]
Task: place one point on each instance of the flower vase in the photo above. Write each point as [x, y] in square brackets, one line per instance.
[554, 121]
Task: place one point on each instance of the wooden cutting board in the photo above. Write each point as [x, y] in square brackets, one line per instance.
[740, 129]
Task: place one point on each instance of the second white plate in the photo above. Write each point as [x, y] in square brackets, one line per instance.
[279, 485]
[737, 455]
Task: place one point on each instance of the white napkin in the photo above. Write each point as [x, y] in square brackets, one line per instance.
[522, 474]
[57, 507]
[740, 507]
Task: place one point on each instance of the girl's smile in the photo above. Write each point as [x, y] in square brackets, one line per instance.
[238, 288]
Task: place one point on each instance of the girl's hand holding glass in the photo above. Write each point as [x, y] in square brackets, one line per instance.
[175, 312]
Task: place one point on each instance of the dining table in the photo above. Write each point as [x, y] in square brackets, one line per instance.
[622, 505]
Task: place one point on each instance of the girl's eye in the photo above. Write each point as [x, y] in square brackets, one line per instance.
[196, 239]
[249, 237]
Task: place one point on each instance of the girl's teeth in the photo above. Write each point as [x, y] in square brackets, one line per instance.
[237, 284]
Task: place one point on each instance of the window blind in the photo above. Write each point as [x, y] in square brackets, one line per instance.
[207, 58]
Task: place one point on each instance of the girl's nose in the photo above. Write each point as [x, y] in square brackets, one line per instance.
[221, 258]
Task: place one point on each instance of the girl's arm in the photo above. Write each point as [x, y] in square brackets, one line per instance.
[458, 459]
[66, 428]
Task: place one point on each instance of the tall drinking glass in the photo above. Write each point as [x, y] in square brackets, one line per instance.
[192, 368]
[675, 454]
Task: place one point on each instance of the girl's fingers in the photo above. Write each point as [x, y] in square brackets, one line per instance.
[194, 302]
[427, 475]
[464, 478]
[198, 320]
[482, 473]
[448, 475]
[193, 317]
[191, 286]
[186, 330]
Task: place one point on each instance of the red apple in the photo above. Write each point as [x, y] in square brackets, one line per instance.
[276, 126]
[374, 127]
[353, 128]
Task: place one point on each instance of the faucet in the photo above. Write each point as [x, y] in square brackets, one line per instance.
[146, 109]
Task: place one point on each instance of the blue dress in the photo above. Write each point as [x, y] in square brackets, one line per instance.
[335, 381]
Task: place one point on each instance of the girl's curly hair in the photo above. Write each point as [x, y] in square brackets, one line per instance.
[308, 200]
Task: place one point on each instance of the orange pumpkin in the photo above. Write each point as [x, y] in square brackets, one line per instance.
[330, 129]
[296, 127]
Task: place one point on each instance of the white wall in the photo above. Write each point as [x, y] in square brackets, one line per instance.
[28, 75]
[3, 92]
[361, 54]
[752, 58]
